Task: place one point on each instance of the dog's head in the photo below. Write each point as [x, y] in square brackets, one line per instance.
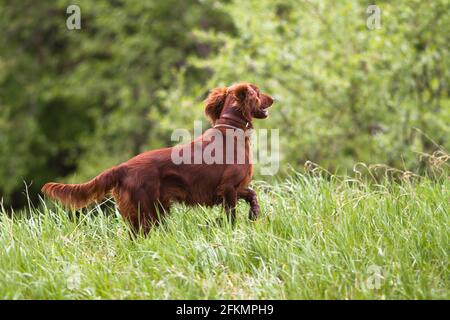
[243, 99]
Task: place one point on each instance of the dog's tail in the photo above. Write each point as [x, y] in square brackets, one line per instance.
[80, 195]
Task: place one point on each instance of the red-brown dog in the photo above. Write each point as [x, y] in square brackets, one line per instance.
[145, 186]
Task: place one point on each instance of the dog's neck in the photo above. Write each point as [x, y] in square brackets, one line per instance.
[230, 118]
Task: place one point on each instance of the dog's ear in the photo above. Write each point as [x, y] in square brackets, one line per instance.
[247, 99]
[214, 104]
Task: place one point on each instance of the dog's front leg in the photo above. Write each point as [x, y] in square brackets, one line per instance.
[230, 199]
[249, 195]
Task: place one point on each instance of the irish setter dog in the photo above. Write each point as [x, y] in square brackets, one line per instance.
[145, 186]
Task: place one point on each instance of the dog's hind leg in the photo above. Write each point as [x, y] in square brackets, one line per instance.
[128, 211]
[137, 209]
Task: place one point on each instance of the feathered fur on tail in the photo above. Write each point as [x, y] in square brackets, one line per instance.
[80, 195]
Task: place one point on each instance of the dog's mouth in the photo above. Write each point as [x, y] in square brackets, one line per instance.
[263, 110]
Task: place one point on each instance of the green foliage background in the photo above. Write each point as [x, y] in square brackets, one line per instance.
[73, 103]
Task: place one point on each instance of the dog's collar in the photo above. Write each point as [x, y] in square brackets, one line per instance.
[227, 126]
[241, 124]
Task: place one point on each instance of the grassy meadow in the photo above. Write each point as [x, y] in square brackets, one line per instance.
[353, 82]
[317, 238]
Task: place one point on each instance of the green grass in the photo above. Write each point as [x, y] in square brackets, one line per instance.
[316, 239]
